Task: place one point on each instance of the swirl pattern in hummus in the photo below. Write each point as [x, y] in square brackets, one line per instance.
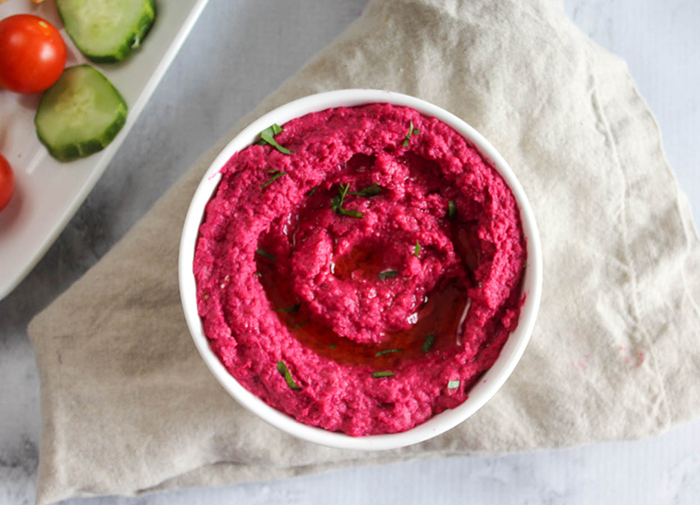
[391, 281]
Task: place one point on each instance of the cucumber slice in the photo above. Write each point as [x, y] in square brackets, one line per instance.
[80, 114]
[107, 30]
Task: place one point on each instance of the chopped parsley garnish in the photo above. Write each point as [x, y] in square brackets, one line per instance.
[388, 351]
[271, 131]
[277, 175]
[410, 133]
[282, 369]
[262, 252]
[274, 144]
[451, 210]
[429, 340]
[293, 308]
[416, 250]
[337, 203]
[267, 137]
[370, 191]
[351, 213]
[386, 373]
[313, 190]
[333, 346]
[453, 385]
[388, 274]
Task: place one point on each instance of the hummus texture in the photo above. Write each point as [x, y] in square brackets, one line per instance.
[382, 269]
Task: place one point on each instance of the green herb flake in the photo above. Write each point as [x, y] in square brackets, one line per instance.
[262, 252]
[388, 274]
[282, 369]
[277, 175]
[429, 341]
[313, 190]
[453, 385]
[385, 373]
[337, 203]
[370, 191]
[274, 144]
[351, 213]
[411, 132]
[270, 131]
[333, 346]
[267, 137]
[293, 308]
[416, 250]
[259, 274]
[451, 210]
[388, 351]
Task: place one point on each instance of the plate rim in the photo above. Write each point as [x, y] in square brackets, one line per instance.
[105, 157]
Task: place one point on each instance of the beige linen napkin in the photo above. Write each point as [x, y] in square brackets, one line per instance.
[128, 405]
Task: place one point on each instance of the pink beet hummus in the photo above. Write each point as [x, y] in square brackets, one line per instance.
[363, 282]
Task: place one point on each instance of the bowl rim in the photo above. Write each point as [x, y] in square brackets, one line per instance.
[489, 383]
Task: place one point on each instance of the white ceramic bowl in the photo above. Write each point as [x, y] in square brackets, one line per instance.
[489, 383]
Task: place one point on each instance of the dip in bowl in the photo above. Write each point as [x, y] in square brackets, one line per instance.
[361, 269]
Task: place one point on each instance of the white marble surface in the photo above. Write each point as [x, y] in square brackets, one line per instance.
[239, 52]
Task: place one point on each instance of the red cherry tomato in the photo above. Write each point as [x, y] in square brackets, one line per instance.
[33, 54]
[7, 182]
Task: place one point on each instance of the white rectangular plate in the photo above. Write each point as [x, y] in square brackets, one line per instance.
[48, 192]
